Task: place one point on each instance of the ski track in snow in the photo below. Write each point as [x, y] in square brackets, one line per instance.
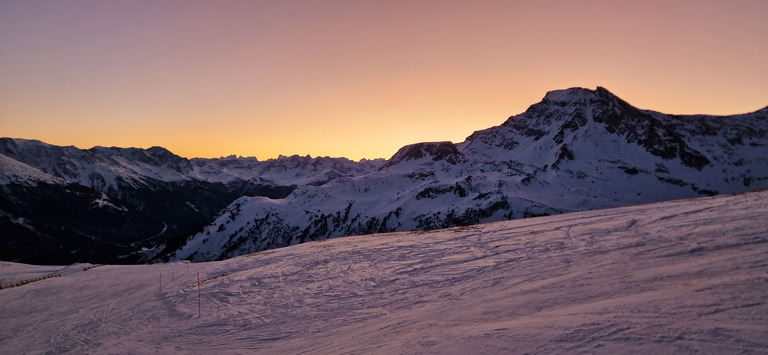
[677, 277]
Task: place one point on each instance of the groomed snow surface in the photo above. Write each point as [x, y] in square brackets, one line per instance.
[678, 277]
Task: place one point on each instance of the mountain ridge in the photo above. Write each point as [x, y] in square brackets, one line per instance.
[577, 149]
[129, 199]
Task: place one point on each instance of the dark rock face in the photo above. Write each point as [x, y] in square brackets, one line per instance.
[644, 130]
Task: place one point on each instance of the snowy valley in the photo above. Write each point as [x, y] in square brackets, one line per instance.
[683, 277]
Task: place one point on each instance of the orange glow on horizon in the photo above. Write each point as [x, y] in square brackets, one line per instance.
[357, 79]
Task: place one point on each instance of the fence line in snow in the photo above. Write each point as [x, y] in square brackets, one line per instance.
[21, 282]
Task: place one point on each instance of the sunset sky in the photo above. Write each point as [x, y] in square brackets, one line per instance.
[355, 78]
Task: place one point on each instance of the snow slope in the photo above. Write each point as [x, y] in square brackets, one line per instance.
[681, 277]
[20, 173]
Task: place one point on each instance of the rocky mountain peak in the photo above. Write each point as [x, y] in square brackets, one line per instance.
[577, 94]
[569, 95]
[561, 116]
[437, 151]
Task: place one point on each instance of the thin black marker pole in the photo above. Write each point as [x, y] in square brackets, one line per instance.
[198, 295]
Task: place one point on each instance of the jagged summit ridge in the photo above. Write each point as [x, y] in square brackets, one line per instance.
[576, 94]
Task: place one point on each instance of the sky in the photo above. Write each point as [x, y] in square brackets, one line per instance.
[355, 78]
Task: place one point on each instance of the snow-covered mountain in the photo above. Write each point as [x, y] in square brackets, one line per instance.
[679, 277]
[64, 204]
[106, 169]
[577, 149]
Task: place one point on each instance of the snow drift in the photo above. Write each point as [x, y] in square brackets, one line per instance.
[681, 277]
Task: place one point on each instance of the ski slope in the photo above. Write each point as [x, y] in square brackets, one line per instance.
[680, 277]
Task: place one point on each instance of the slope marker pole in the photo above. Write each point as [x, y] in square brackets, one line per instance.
[198, 295]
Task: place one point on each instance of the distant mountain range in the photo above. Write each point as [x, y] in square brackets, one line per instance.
[577, 149]
[63, 204]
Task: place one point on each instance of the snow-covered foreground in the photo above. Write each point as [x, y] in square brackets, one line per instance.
[675, 277]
